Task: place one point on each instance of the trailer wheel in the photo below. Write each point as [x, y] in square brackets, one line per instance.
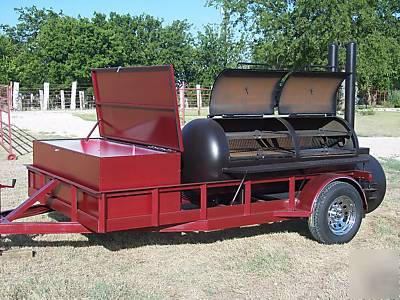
[337, 214]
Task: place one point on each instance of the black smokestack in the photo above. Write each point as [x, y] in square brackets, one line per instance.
[333, 52]
[350, 87]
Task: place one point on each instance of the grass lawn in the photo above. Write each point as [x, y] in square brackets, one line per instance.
[379, 124]
[87, 116]
[385, 124]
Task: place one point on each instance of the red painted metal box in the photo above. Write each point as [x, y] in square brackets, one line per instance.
[104, 165]
[140, 147]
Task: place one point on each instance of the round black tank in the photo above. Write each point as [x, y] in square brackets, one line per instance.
[206, 151]
[378, 186]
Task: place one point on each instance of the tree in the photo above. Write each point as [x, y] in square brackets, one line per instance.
[58, 48]
[289, 33]
[7, 67]
[215, 50]
[30, 21]
[50, 46]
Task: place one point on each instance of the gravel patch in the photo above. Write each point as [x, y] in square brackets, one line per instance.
[382, 146]
[53, 122]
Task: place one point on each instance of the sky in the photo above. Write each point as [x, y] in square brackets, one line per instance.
[192, 10]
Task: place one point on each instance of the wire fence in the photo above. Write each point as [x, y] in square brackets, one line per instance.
[60, 97]
[193, 97]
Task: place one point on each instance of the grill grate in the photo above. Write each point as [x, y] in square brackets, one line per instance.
[260, 147]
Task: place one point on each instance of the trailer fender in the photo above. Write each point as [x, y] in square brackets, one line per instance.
[311, 191]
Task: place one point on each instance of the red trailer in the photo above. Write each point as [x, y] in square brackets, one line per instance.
[135, 176]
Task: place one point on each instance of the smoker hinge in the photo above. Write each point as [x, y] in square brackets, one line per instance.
[235, 116]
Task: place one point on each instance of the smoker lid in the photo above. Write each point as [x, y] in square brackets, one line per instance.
[138, 104]
[310, 93]
[244, 92]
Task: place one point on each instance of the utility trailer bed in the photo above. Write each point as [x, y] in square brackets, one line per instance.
[144, 208]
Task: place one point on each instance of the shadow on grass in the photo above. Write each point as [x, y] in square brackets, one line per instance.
[116, 241]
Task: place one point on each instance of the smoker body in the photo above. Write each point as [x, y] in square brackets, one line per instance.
[272, 123]
[231, 146]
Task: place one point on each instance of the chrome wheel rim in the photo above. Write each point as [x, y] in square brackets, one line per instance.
[341, 215]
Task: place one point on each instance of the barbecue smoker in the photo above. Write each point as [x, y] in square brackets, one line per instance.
[272, 149]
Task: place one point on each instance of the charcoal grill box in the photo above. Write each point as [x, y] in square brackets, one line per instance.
[140, 146]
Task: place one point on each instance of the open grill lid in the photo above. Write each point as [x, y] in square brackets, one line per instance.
[310, 93]
[138, 105]
[244, 92]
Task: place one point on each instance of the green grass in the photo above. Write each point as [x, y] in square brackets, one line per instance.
[392, 170]
[391, 164]
[387, 226]
[379, 124]
[87, 116]
[42, 135]
[269, 262]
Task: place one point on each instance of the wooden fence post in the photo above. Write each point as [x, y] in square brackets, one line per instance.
[182, 103]
[198, 96]
[46, 95]
[81, 99]
[62, 96]
[41, 99]
[73, 95]
[341, 99]
[15, 95]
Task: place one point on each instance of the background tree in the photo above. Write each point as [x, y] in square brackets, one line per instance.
[294, 33]
[7, 66]
[49, 46]
[215, 50]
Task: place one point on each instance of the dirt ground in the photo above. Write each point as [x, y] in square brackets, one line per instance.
[275, 261]
[54, 123]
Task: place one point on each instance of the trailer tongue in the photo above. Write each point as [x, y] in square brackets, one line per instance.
[241, 166]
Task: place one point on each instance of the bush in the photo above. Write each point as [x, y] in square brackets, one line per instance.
[394, 98]
[366, 112]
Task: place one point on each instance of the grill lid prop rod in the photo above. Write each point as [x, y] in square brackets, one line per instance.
[92, 130]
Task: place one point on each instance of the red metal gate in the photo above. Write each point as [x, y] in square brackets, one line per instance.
[5, 126]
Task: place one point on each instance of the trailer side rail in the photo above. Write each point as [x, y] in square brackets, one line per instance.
[204, 218]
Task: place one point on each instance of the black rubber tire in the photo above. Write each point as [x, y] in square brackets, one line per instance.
[318, 221]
